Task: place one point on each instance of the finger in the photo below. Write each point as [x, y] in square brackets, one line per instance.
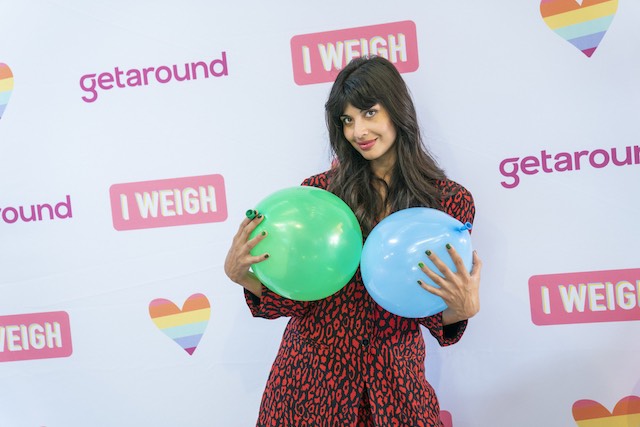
[258, 258]
[477, 264]
[435, 277]
[457, 260]
[243, 224]
[251, 225]
[431, 289]
[252, 243]
[249, 217]
[441, 266]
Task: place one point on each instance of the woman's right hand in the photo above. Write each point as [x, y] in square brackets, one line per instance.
[239, 258]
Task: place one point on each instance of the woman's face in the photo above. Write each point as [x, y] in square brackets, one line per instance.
[371, 133]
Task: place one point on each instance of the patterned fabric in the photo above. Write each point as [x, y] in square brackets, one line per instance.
[344, 361]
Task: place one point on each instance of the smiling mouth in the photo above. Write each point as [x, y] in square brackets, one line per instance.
[366, 145]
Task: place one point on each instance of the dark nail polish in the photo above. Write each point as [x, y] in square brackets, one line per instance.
[259, 216]
[428, 252]
[264, 233]
[421, 265]
[251, 214]
[266, 256]
[448, 246]
[419, 283]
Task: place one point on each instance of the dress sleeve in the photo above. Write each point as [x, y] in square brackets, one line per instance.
[445, 335]
[271, 305]
[457, 201]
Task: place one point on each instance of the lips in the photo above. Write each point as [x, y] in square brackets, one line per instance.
[366, 145]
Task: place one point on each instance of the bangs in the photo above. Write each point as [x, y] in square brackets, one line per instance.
[355, 91]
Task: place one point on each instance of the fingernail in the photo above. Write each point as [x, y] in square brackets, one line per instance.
[419, 283]
[448, 246]
[251, 213]
[266, 256]
[264, 233]
[421, 265]
[428, 252]
[259, 216]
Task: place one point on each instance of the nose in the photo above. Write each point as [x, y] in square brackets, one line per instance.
[360, 129]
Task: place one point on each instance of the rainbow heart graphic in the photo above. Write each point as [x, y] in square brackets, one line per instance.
[6, 86]
[589, 413]
[185, 326]
[581, 24]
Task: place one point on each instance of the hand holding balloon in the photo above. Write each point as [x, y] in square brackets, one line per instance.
[459, 289]
[392, 253]
[239, 258]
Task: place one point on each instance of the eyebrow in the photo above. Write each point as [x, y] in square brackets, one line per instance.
[359, 111]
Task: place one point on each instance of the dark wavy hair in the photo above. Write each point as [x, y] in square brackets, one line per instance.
[364, 82]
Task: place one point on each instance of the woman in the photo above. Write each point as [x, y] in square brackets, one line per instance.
[344, 360]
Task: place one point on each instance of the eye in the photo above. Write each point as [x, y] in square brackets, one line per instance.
[346, 120]
[370, 113]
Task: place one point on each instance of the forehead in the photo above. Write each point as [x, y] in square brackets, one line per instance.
[350, 110]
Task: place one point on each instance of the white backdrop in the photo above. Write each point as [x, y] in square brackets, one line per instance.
[557, 336]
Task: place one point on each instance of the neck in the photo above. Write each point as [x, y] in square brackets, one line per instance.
[383, 169]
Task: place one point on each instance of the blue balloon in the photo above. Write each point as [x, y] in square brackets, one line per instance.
[395, 246]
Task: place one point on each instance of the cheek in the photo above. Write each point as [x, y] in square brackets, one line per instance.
[393, 135]
[348, 133]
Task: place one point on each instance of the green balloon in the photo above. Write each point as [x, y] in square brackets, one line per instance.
[314, 242]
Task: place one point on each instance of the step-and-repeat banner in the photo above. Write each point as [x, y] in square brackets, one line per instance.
[135, 135]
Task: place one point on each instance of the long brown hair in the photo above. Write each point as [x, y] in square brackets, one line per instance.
[364, 82]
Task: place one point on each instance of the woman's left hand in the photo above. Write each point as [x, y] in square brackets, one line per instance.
[459, 290]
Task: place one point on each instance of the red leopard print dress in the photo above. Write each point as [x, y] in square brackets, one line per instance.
[344, 361]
